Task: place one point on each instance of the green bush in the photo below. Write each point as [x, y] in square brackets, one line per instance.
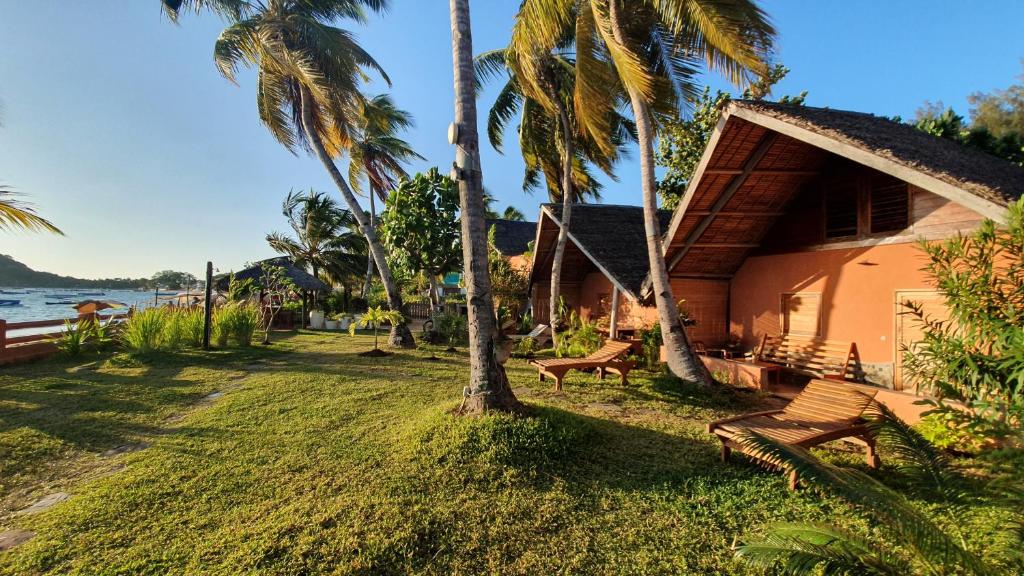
[144, 331]
[452, 328]
[237, 323]
[581, 339]
[74, 338]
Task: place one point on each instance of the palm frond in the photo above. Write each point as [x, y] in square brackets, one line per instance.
[16, 214]
[817, 549]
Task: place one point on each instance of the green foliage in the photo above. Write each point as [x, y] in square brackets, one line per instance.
[525, 347]
[924, 547]
[143, 333]
[651, 342]
[580, 339]
[375, 317]
[420, 224]
[237, 323]
[510, 285]
[976, 357]
[72, 341]
[950, 434]
[682, 141]
[925, 466]
[172, 280]
[277, 288]
[452, 328]
[945, 123]
[239, 290]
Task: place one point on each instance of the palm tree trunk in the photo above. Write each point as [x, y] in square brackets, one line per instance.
[680, 356]
[369, 261]
[488, 385]
[401, 336]
[563, 233]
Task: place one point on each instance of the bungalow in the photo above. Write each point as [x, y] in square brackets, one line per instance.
[511, 239]
[799, 221]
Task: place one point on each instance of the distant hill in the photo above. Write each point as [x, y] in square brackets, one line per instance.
[14, 274]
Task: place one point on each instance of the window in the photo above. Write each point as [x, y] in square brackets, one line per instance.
[801, 314]
[841, 211]
[890, 207]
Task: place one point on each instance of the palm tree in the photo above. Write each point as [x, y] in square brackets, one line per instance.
[513, 213]
[308, 79]
[656, 48]
[17, 214]
[488, 387]
[549, 138]
[324, 239]
[377, 154]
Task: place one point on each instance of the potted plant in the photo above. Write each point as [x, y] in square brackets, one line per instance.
[344, 320]
[331, 323]
[316, 319]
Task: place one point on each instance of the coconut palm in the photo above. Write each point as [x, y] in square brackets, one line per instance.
[513, 213]
[325, 238]
[550, 141]
[308, 79]
[378, 155]
[17, 214]
[488, 387]
[656, 48]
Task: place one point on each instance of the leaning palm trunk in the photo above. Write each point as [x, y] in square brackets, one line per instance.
[368, 282]
[488, 385]
[679, 355]
[563, 233]
[401, 336]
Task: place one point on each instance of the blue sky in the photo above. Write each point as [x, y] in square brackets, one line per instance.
[118, 127]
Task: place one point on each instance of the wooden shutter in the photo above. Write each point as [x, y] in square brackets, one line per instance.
[801, 314]
[890, 206]
[841, 210]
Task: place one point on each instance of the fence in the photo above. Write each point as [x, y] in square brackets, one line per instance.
[14, 349]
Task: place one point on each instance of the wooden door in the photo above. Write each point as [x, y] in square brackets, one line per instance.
[908, 327]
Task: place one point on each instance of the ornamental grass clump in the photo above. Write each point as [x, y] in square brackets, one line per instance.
[236, 324]
[144, 331]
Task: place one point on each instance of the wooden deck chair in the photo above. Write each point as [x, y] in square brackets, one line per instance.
[539, 334]
[822, 412]
[604, 360]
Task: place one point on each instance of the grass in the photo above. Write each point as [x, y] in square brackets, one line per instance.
[316, 460]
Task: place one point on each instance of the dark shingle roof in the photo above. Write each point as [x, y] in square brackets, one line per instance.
[981, 174]
[614, 236]
[302, 279]
[512, 237]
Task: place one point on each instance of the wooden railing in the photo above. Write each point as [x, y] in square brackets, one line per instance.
[15, 348]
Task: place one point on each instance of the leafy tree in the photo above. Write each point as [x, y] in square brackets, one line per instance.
[682, 141]
[655, 48]
[511, 285]
[325, 239]
[172, 280]
[420, 226]
[976, 357]
[308, 78]
[488, 387]
[936, 120]
[1001, 112]
[379, 155]
[275, 288]
[513, 213]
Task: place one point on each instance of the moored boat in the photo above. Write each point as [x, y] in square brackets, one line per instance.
[10, 302]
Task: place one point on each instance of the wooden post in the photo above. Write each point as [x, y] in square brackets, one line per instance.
[208, 306]
[3, 337]
[613, 323]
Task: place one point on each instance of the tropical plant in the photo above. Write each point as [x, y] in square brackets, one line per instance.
[325, 239]
[144, 331]
[924, 547]
[651, 341]
[488, 387]
[276, 287]
[655, 48]
[308, 77]
[420, 227]
[509, 285]
[581, 339]
[451, 328]
[375, 317]
[17, 214]
[238, 323]
[73, 339]
[549, 137]
[513, 213]
[379, 155]
[975, 357]
[945, 123]
[101, 334]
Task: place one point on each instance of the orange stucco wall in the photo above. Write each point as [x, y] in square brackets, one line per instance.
[857, 287]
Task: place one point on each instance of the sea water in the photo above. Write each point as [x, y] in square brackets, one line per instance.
[33, 305]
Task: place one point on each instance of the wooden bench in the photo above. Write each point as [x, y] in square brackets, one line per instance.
[815, 357]
[824, 411]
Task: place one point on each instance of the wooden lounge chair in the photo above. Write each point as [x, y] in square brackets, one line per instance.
[539, 334]
[604, 360]
[822, 412]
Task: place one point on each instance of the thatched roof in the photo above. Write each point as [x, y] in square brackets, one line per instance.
[302, 279]
[978, 173]
[512, 237]
[612, 237]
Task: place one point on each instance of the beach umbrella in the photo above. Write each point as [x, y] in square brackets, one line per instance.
[93, 306]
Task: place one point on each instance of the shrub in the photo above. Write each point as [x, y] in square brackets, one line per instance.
[452, 328]
[358, 305]
[73, 340]
[582, 338]
[143, 332]
[237, 323]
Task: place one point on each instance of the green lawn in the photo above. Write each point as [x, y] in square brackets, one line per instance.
[315, 460]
